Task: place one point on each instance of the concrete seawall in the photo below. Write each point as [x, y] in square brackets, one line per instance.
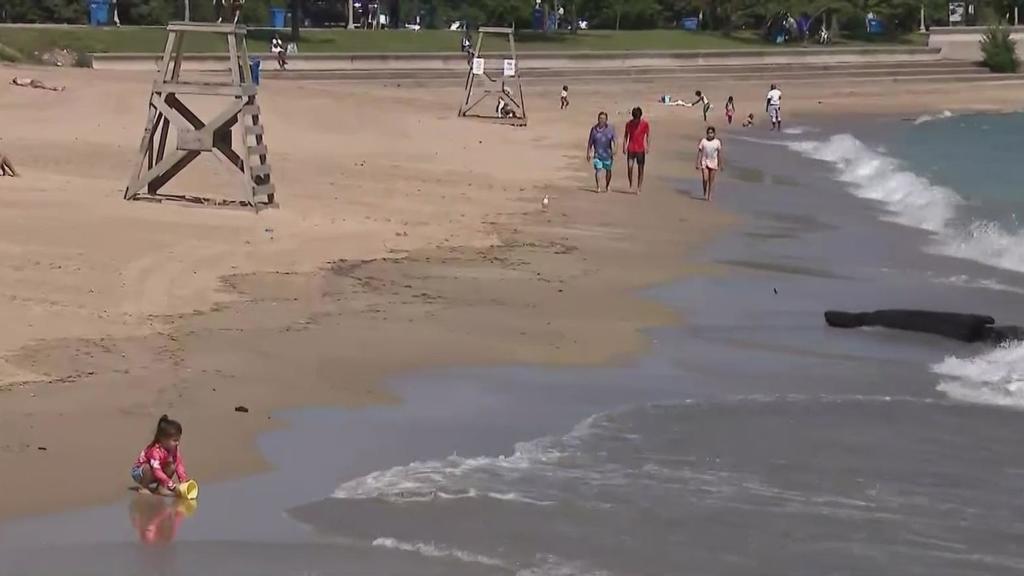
[965, 43]
[544, 60]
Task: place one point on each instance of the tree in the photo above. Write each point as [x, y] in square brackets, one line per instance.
[297, 9]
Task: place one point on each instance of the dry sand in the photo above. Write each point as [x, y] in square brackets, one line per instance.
[406, 239]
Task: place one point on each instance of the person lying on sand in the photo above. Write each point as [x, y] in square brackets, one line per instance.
[160, 461]
[33, 83]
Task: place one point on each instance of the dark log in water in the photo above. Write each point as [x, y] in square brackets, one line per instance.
[963, 327]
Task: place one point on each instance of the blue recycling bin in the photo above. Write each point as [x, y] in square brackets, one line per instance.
[690, 24]
[876, 26]
[254, 66]
[99, 13]
[277, 16]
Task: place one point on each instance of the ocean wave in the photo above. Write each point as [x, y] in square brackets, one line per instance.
[546, 564]
[460, 477]
[995, 377]
[913, 200]
[432, 550]
[968, 282]
[929, 117]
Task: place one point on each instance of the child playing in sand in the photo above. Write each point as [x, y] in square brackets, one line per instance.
[730, 109]
[160, 461]
[749, 121]
[565, 97]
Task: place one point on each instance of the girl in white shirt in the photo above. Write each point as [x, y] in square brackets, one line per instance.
[710, 161]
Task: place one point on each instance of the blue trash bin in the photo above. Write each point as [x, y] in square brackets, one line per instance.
[690, 24]
[876, 26]
[254, 66]
[277, 16]
[99, 13]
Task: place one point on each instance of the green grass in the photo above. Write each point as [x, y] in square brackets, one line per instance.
[31, 40]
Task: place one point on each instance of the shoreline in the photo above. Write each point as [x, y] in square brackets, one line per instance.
[478, 412]
[304, 303]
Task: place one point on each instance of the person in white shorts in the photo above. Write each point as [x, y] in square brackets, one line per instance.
[710, 161]
[773, 106]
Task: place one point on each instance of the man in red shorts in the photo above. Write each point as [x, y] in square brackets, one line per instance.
[635, 146]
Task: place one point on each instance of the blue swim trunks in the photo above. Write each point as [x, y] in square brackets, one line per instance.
[602, 164]
[137, 474]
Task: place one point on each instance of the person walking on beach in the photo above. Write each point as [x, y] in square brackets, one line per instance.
[710, 161]
[773, 106]
[635, 145]
[565, 97]
[601, 151]
[730, 109]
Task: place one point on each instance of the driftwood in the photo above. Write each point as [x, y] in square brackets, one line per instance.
[963, 327]
[6, 167]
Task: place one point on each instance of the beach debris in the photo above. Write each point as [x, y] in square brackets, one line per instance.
[775, 290]
[41, 448]
[545, 202]
[59, 57]
[241, 409]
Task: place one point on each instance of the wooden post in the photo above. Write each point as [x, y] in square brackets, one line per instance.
[157, 165]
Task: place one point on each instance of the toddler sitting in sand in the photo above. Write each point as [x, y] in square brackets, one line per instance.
[749, 121]
[160, 461]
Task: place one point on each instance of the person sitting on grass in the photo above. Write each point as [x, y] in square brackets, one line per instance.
[160, 461]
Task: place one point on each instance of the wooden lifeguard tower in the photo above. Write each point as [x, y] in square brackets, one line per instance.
[509, 87]
[245, 156]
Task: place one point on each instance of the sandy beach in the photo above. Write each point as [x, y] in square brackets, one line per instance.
[406, 239]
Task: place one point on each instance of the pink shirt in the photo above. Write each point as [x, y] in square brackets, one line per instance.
[160, 459]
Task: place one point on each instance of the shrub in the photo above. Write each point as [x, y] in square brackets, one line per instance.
[999, 50]
[8, 54]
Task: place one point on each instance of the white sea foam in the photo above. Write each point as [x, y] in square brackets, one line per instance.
[914, 201]
[995, 377]
[798, 130]
[546, 564]
[460, 477]
[968, 282]
[432, 550]
[929, 117]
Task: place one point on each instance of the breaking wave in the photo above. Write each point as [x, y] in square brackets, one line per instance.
[995, 377]
[913, 200]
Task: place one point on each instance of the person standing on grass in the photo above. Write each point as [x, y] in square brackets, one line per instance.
[710, 161]
[601, 151]
[773, 106]
[636, 145]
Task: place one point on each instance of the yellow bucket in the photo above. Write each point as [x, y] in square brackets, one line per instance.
[188, 490]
